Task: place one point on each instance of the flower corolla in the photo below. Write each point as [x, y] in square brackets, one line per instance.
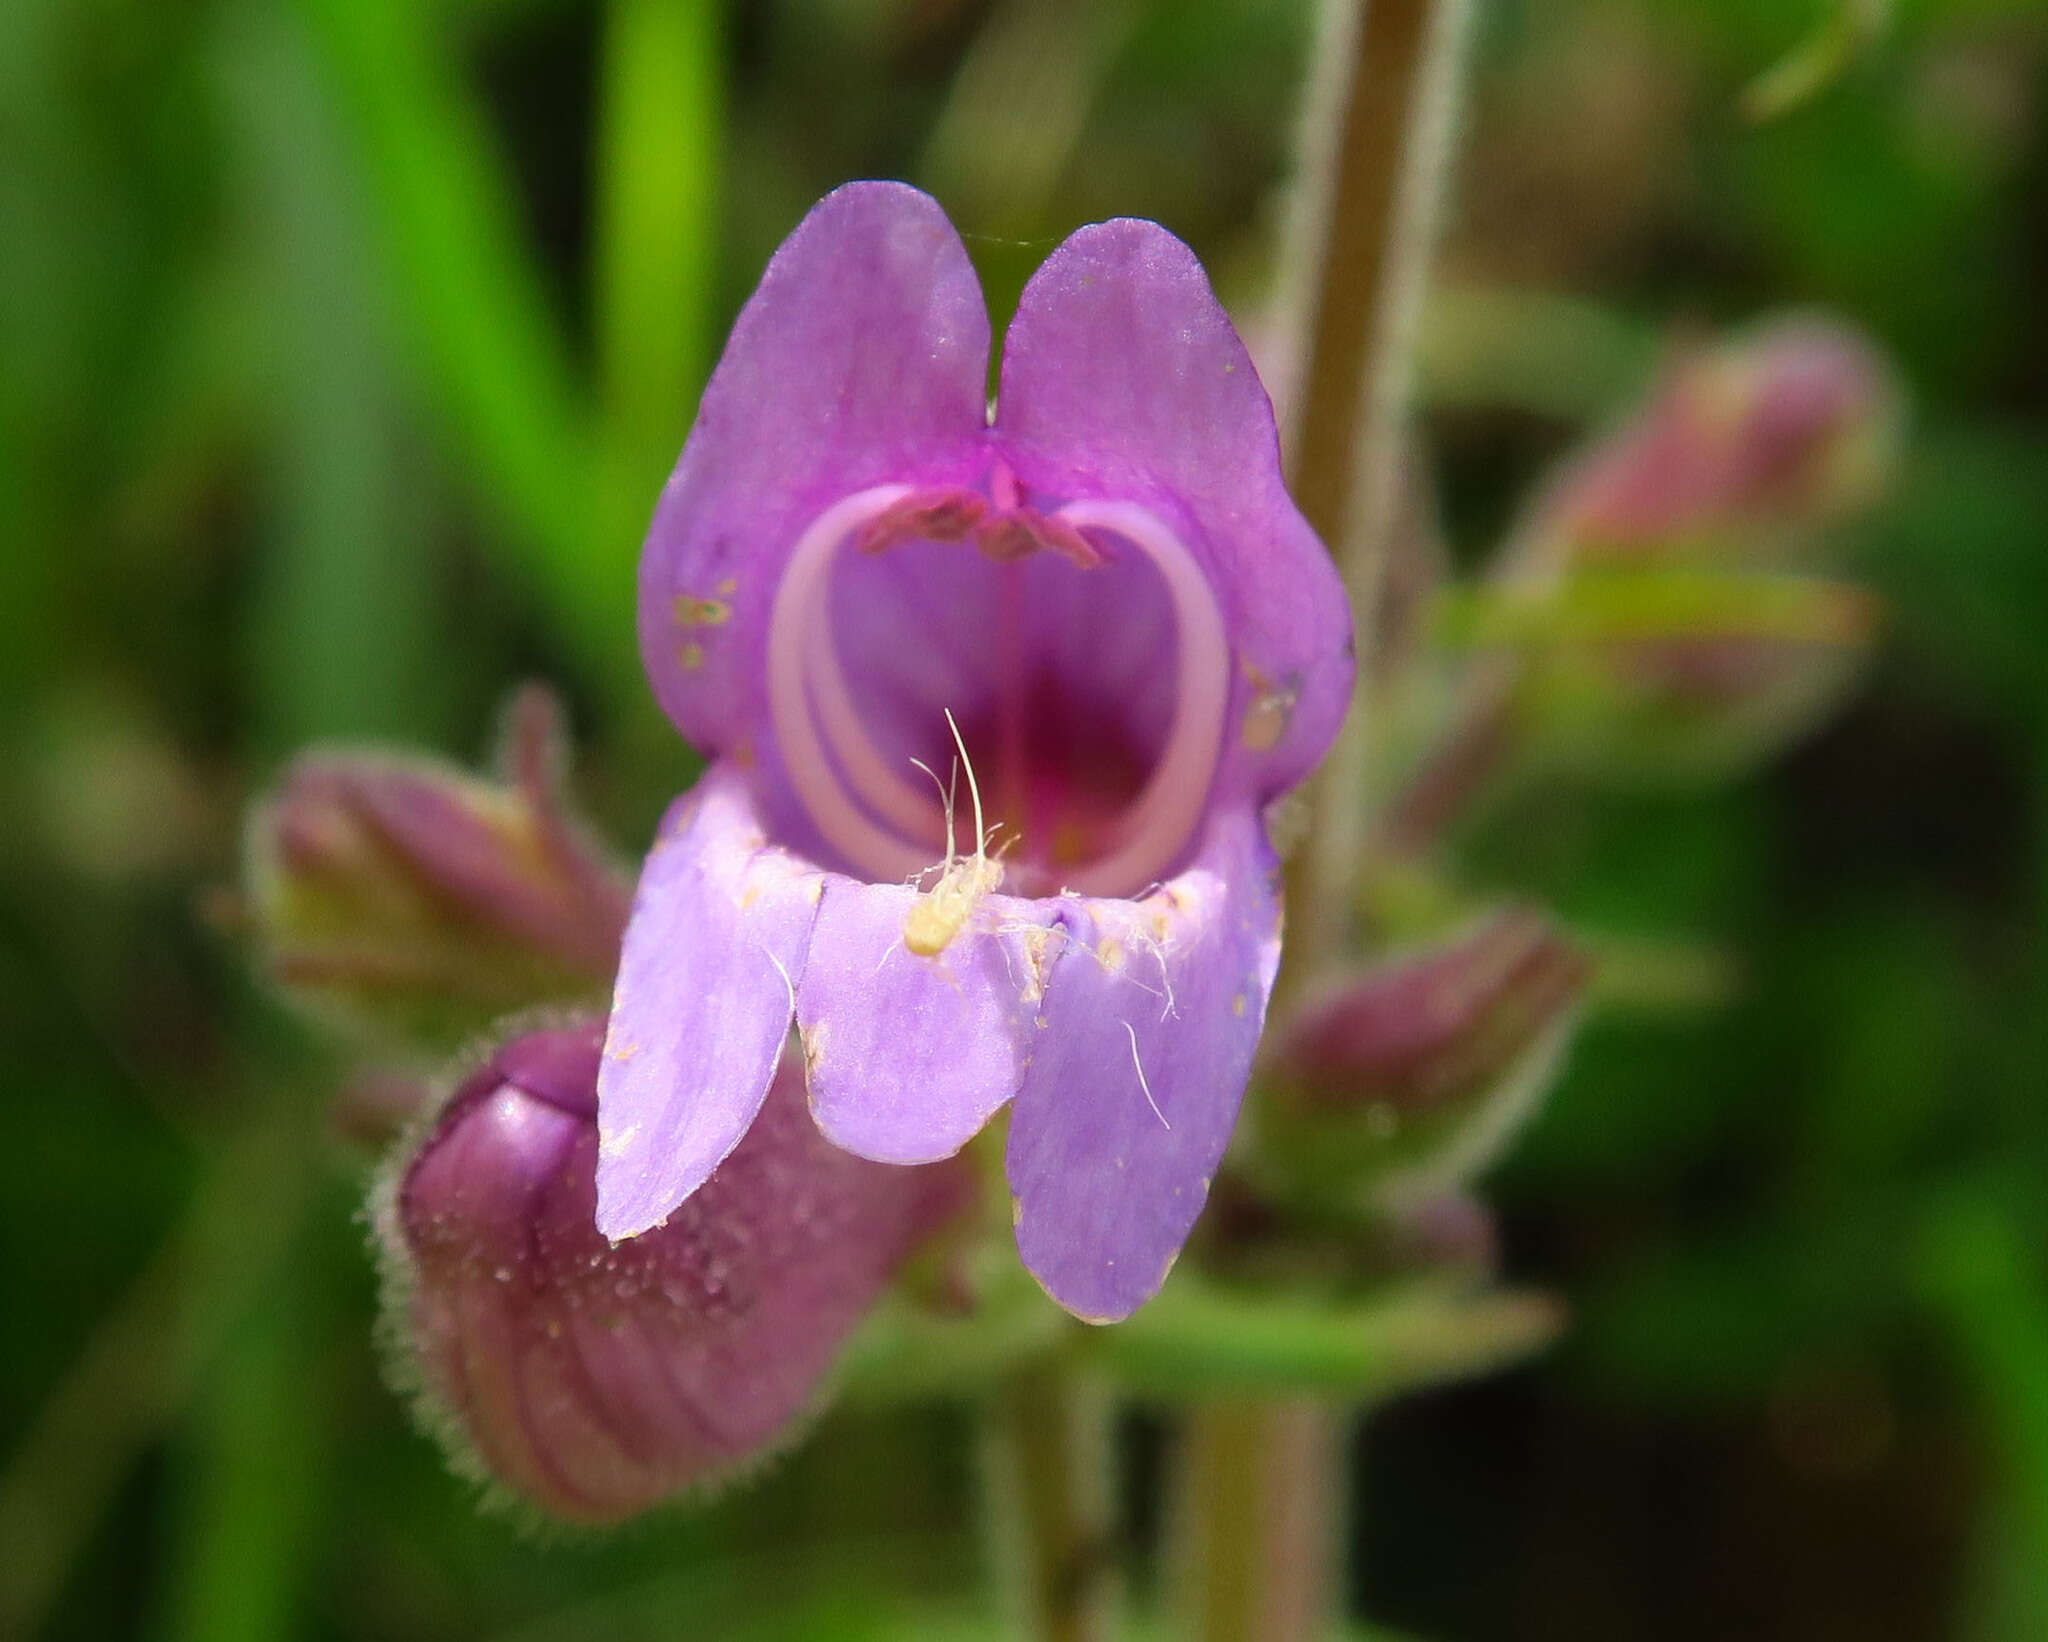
[996, 698]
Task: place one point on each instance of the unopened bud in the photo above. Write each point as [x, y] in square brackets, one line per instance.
[1741, 448]
[406, 898]
[595, 1380]
[1406, 1078]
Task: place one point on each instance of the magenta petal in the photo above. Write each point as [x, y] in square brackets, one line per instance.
[1123, 377]
[862, 358]
[713, 953]
[468, 1191]
[1110, 1165]
[701, 1346]
[907, 1057]
[596, 1381]
[559, 1067]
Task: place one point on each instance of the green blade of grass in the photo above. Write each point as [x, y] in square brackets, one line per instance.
[343, 636]
[490, 354]
[660, 111]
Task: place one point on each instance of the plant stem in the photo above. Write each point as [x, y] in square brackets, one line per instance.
[1378, 139]
[1262, 1482]
[1256, 1541]
[1051, 1504]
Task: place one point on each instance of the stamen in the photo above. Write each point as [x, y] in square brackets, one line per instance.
[798, 615]
[938, 516]
[869, 813]
[893, 799]
[1160, 820]
[1003, 488]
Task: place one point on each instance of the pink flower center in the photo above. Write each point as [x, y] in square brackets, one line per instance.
[1081, 650]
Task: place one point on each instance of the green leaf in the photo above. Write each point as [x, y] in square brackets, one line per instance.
[343, 641]
[1851, 28]
[1649, 605]
[1981, 1273]
[490, 353]
[253, 1464]
[661, 104]
[1667, 675]
[1199, 1340]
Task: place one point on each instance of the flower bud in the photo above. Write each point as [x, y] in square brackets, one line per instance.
[595, 1380]
[1742, 448]
[405, 898]
[1408, 1077]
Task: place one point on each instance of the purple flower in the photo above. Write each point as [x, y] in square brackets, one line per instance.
[596, 1381]
[1092, 619]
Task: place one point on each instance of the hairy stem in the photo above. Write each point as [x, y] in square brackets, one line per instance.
[1262, 1482]
[1259, 1501]
[1049, 1475]
[1378, 140]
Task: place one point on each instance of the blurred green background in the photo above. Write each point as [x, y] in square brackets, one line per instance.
[343, 346]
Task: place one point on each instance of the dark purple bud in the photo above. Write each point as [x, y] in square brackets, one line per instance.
[1415, 1072]
[595, 1380]
[1789, 427]
[406, 898]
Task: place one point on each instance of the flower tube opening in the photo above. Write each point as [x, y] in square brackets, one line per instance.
[1081, 649]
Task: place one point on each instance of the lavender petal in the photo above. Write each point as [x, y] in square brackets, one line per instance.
[713, 954]
[595, 1381]
[908, 1056]
[1130, 1097]
[1123, 378]
[861, 358]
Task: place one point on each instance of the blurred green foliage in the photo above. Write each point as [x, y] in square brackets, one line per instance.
[343, 344]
